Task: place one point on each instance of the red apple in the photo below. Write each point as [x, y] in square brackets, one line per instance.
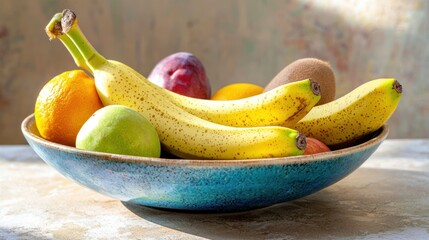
[182, 73]
[315, 146]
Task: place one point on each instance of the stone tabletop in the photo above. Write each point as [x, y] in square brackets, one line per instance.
[386, 198]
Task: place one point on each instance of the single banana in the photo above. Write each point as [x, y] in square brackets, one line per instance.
[356, 114]
[181, 133]
[282, 106]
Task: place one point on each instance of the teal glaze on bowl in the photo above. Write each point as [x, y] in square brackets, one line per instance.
[201, 185]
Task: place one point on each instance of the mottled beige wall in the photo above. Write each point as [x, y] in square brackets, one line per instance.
[238, 41]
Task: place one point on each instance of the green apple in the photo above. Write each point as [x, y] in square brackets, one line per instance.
[121, 130]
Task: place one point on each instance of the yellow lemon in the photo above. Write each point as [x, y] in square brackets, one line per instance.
[237, 91]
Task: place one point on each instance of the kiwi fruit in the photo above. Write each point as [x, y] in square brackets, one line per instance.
[305, 68]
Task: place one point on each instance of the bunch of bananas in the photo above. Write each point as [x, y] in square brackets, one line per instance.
[271, 124]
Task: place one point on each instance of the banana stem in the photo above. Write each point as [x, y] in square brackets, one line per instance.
[69, 25]
[74, 51]
[54, 30]
[397, 86]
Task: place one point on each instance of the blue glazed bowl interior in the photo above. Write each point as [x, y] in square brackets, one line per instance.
[202, 185]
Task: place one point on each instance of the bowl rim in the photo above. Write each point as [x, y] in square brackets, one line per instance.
[29, 120]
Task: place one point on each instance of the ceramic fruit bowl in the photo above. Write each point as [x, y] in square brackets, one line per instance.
[202, 185]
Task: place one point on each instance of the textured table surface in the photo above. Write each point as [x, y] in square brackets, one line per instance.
[386, 198]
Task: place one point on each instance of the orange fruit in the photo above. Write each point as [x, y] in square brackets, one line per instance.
[63, 106]
[237, 91]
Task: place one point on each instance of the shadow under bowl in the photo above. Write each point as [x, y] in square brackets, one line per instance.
[202, 185]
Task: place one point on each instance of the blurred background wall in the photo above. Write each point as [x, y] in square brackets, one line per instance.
[238, 41]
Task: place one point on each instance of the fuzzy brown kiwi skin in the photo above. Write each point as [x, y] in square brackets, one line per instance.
[304, 68]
